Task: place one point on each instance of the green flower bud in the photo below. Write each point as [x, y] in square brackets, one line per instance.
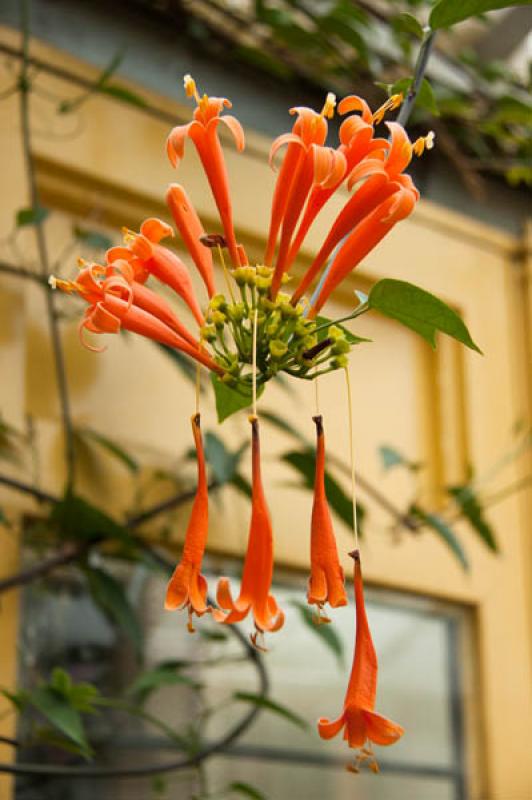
[208, 333]
[228, 379]
[340, 362]
[335, 333]
[263, 284]
[249, 274]
[286, 278]
[278, 348]
[236, 312]
[263, 271]
[340, 347]
[266, 304]
[217, 303]
[218, 318]
[310, 341]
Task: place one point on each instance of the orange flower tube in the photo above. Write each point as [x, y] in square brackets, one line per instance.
[358, 719]
[187, 587]
[189, 226]
[258, 566]
[326, 582]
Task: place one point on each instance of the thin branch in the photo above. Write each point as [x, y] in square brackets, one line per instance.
[166, 505]
[22, 272]
[24, 85]
[70, 552]
[419, 73]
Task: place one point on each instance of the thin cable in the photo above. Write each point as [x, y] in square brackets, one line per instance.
[317, 394]
[352, 455]
[254, 364]
[198, 386]
[226, 274]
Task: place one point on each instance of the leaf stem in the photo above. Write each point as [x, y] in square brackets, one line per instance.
[419, 73]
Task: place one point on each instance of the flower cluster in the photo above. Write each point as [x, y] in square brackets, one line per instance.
[257, 329]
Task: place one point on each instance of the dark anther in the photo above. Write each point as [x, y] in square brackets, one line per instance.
[308, 355]
[213, 240]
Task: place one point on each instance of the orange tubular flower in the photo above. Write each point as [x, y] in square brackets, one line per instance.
[326, 582]
[112, 308]
[189, 226]
[258, 566]
[161, 262]
[203, 131]
[187, 586]
[358, 719]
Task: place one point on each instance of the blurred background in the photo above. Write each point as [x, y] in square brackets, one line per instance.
[442, 437]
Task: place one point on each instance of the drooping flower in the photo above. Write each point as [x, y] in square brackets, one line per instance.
[203, 130]
[258, 565]
[161, 262]
[112, 307]
[359, 721]
[326, 582]
[187, 587]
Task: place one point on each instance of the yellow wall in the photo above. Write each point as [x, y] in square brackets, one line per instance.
[447, 409]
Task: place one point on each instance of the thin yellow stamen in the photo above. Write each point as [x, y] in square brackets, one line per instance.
[424, 143]
[352, 456]
[190, 88]
[328, 107]
[64, 286]
[254, 364]
[198, 383]
[128, 235]
[391, 104]
[226, 273]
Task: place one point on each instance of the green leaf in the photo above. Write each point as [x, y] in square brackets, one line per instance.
[439, 526]
[448, 12]
[61, 681]
[303, 461]
[112, 447]
[91, 238]
[351, 337]
[229, 400]
[326, 633]
[246, 790]
[269, 705]
[123, 94]
[30, 216]
[77, 519]
[470, 507]
[222, 461]
[110, 595]
[425, 97]
[242, 484]
[391, 457]
[164, 675]
[59, 712]
[419, 310]
[409, 24]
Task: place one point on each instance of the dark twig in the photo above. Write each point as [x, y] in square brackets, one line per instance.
[419, 73]
[25, 488]
[24, 86]
[22, 272]
[68, 553]
[166, 505]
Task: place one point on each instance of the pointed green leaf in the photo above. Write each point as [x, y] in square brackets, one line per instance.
[351, 337]
[269, 705]
[472, 510]
[153, 679]
[323, 631]
[30, 216]
[246, 790]
[419, 310]
[92, 238]
[409, 24]
[242, 484]
[222, 461]
[61, 715]
[448, 12]
[76, 519]
[230, 400]
[111, 447]
[110, 595]
[444, 531]
[391, 457]
[123, 94]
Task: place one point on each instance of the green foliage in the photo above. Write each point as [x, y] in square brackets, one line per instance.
[391, 457]
[326, 633]
[471, 508]
[325, 322]
[444, 531]
[111, 447]
[408, 24]
[110, 596]
[303, 461]
[76, 519]
[419, 310]
[103, 85]
[62, 703]
[223, 462]
[30, 216]
[90, 238]
[167, 674]
[246, 790]
[448, 12]
[425, 97]
[229, 400]
[269, 705]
